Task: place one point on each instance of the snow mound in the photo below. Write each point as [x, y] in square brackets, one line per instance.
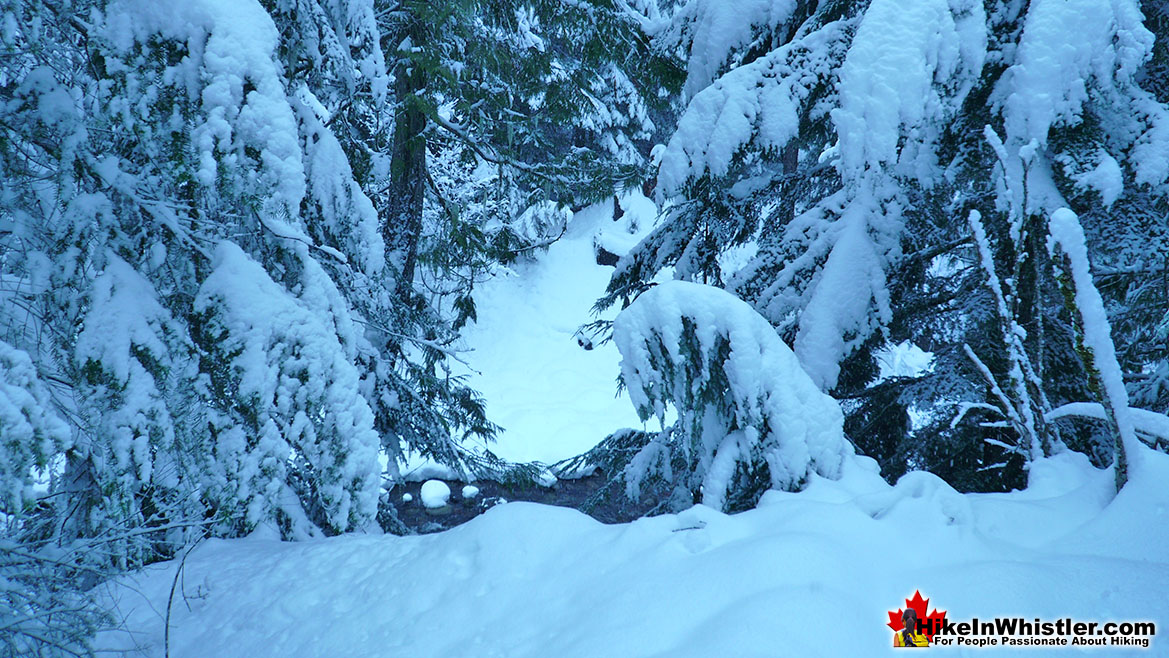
[530, 580]
[435, 494]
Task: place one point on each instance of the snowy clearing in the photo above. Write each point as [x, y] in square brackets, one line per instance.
[553, 398]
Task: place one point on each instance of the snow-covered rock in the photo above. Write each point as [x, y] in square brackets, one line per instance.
[435, 494]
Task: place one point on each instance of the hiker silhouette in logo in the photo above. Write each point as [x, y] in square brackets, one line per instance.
[909, 636]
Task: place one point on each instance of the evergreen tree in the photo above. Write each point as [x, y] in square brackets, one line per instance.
[502, 115]
[824, 170]
[541, 93]
[748, 418]
[223, 238]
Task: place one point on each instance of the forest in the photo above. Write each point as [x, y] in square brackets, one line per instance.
[755, 283]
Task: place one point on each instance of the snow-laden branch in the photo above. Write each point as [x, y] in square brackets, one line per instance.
[1067, 237]
[1150, 426]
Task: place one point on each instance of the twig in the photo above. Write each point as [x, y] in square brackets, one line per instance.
[419, 341]
[171, 599]
[333, 253]
[494, 158]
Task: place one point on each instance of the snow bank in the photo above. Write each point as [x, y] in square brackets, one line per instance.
[811, 573]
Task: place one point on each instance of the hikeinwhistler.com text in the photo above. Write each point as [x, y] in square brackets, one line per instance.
[1020, 632]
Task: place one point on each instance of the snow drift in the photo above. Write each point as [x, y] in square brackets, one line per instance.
[812, 573]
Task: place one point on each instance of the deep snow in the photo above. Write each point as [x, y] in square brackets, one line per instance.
[809, 574]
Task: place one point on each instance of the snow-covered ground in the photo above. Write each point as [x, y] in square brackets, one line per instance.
[808, 574]
[553, 398]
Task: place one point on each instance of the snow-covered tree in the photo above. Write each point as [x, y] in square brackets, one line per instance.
[1094, 339]
[1069, 124]
[556, 96]
[748, 417]
[849, 99]
[32, 435]
[297, 419]
[825, 167]
[152, 153]
[213, 241]
[237, 141]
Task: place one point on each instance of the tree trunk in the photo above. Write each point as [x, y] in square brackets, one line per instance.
[402, 227]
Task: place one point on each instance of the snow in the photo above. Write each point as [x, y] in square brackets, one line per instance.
[553, 399]
[621, 236]
[346, 211]
[760, 101]
[232, 42]
[902, 76]
[1107, 178]
[851, 282]
[713, 30]
[906, 74]
[435, 494]
[530, 580]
[1149, 423]
[470, 491]
[30, 429]
[903, 359]
[124, 315]
[122, 338]
[1070, 50]
[1074, 53]
[908, 69]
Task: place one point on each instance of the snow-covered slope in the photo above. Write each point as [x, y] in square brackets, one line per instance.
[553, 398]
[809, 574]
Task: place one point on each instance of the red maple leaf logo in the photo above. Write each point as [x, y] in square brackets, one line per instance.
[919, 606]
